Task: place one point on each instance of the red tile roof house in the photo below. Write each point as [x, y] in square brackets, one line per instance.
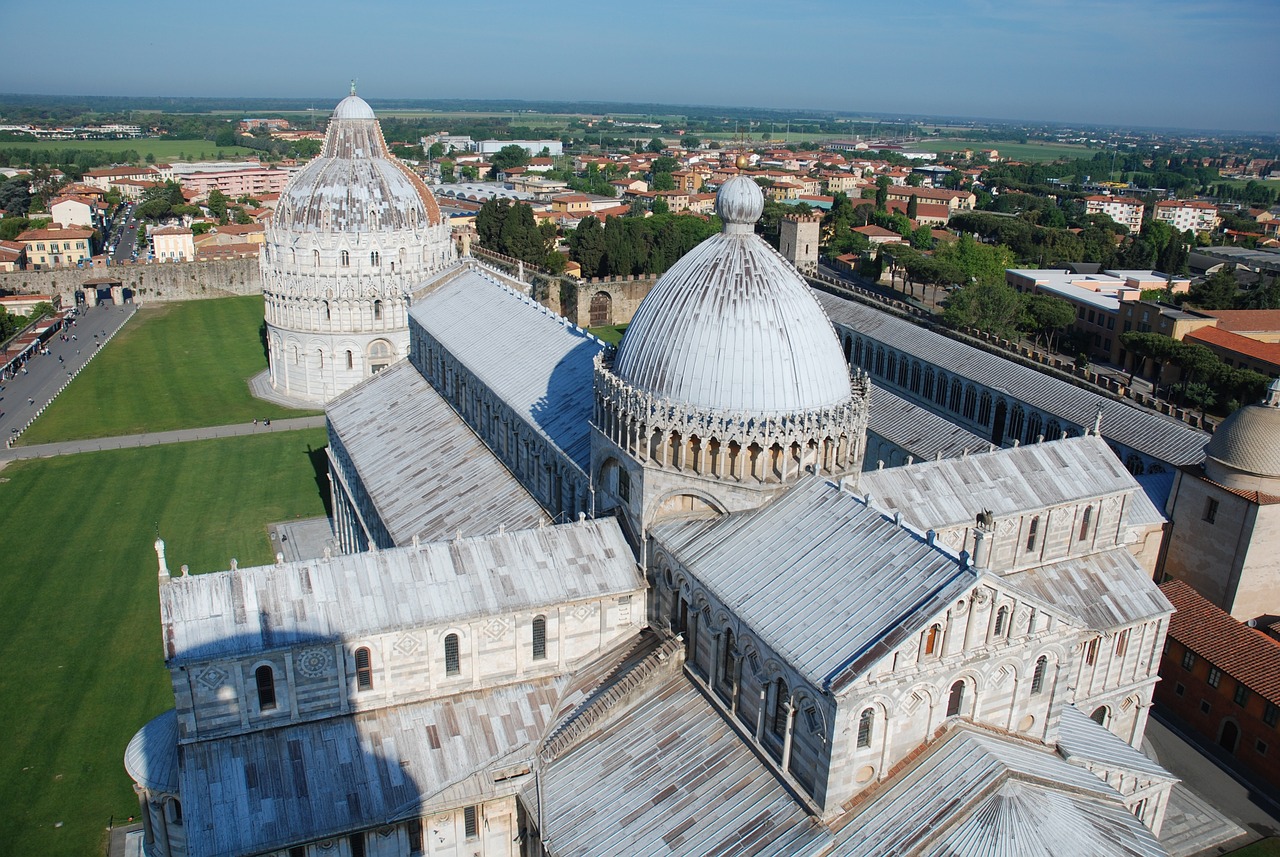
[1220, 681]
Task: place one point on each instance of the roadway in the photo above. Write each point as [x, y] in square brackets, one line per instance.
[24, 395]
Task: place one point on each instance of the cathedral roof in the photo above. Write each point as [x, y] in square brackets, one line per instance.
[425, 472]
[232, 613]
[855, 582]
[733, 327]
[1248, 441]
[356, 184]
[983, 795]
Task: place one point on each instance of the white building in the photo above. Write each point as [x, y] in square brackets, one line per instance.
[353, 233]
[734, 643]
[173, 244]
[1122, 209]
[1188, 215]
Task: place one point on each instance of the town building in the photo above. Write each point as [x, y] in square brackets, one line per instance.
[78, 211]
[173, 244]
[56, 247]
[354, 232]
[645, 601]
[249, 180]
[1219, 680]
[105, 179]
[956, 200]
[13, 256]
[1122, 209]
[798, 236]
[1188, 215]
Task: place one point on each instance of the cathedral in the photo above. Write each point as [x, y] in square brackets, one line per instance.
[648, 600]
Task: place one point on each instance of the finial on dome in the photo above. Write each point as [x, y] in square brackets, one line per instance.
[739, 202]
[353, 86]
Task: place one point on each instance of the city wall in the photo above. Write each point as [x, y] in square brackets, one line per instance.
[168, 281]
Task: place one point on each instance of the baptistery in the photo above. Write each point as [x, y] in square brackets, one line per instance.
[353, 233]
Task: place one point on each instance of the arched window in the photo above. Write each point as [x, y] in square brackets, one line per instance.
[1122, 642]
[781, 700]
[956, 700]
[377, 310]
[927, 390]
[1099, 715]
[915, 376]
[1085, 522]
[350, 360]
[375, 258]
[902, 371]
[1037, 677]
[539, 638]
[345, 259]
[957, 392]
[327, 313]
[726, 660]
[315, 258]
[984, 408]
[173, 809]
[1053, 431]
[891, 366]
[940, 393]
[452, 663]
[880, 360]
[970, 402]
[1002, 620]
[1091, 652]
[265, 679]
[364, 670]
[931, 639]
[1033, 533]
[865, 723]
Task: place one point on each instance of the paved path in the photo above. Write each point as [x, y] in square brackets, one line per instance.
[70, 447]
[23, 396]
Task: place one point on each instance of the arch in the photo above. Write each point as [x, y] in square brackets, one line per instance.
[1101, 715]
[1037, 677]
[315, 258]
[380, 353]
[1229, 735]
[1033, 533]
[173, 811]
[685, 502]
[1002, 621]
[1017, 418]
[1134, 464]
[539, 638]
[375, 258]
[970, 402]
[984, 408]
[377, 309]
[1035, 427]
[879, 368]
[344, 258]
[955, 699]
[866, 726]
[1086, 522]
[891, 366]
[933, 640]
[264, 680]
[452, 656]
[997, 423]
[926, 391]
[915, 376]
[364, 669]
[957, 392]
[1053, 430]
[848, 348]
[351, 359]
[601, 309]
[781, 703]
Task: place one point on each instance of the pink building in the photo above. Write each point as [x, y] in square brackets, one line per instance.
[249, 181]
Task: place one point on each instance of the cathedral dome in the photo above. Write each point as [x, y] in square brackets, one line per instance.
[732, 326]
[1245, 450]
[355, 185]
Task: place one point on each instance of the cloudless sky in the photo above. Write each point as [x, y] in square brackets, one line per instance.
[1209, 64]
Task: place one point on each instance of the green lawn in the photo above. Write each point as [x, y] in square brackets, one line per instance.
[1008, 149]
[611, 334]
[80, 628]
[179, 365]
[161, 149]
[1261, 848]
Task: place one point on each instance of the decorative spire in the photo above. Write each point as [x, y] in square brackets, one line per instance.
[353, 86]
[164, 567]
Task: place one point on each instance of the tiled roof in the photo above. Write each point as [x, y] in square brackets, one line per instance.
[1268, 352]
[1250, 320]
[1248, 656]
[54, 234]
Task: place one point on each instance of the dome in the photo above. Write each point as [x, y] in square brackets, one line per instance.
[355, 185]
[353, 107]
[733, 327]
[1245, 450]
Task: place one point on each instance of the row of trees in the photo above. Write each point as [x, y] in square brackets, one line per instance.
[511, 229]
[636, 245]
[1204, 379]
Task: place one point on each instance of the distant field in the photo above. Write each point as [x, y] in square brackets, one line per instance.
[1016, 151]
[162, 150]
[80, 630]
[179, 365]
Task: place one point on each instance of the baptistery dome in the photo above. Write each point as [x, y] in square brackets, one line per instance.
[354, 232]
[732, 326]
[1244, 452]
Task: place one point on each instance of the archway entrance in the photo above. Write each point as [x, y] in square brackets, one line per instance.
[601, 309]
[1230, 736]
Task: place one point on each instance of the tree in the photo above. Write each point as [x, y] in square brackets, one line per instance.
[1048, 316]
[15, 196]
[882, 192]
[913, 206]
[692, 142]
[660, 205]
[436, 151]
[513, 155]
[1143, 346]
[586, 245]
[656, 145]
[1219, 291]
[216, 202]
[663, 181]
[915, 180]
[991, 307]
[981, 263]
[226, 137]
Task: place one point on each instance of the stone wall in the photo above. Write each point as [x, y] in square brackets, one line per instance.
[611, 300]
[169, 281]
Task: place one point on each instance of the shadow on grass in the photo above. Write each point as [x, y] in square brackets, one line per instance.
[262, 337]
[320, 464]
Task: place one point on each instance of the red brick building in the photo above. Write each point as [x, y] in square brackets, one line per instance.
[1221, 679]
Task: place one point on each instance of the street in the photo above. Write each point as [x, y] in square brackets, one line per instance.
[22, 396]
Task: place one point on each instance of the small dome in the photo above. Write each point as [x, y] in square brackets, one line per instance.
[1245, 450]
[353, 107]
[740, 201]
[732, 327]
[356, 184]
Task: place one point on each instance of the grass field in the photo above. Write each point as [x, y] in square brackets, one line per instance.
[179, 365]
[1262, 848]
[163, 150]
[611, 334]
[80, 627]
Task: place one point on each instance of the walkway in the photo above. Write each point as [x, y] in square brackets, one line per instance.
[70, 447]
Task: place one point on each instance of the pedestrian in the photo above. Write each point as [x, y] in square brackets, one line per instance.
[30, 401]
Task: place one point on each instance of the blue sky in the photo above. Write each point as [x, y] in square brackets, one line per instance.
[1130, 62]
